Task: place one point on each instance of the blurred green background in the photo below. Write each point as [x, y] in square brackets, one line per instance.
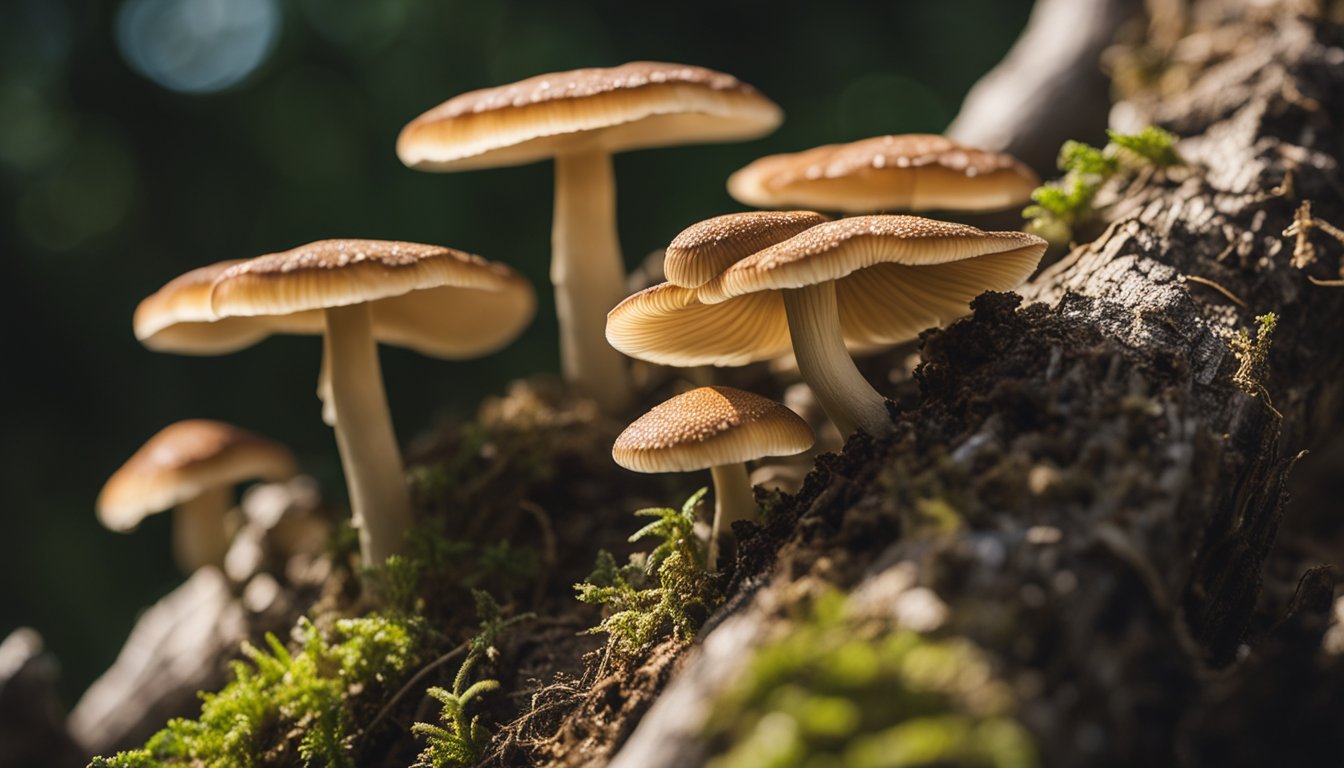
[139, 139]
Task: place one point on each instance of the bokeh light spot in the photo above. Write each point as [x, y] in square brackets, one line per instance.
[197, 46]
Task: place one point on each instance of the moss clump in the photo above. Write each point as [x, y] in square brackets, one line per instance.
[837, 690]
[665, 591]
[288, 707]
[1061, 205]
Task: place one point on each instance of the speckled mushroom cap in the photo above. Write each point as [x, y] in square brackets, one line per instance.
[894, 277]
[705, 249]
[915, 172]
[710, 427]
[438, 301]
[177, 318]
[183, 461]
[637, 105]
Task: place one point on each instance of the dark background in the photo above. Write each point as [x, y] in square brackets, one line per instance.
[113, 182]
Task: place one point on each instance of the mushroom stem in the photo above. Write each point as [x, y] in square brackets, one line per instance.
[200, 531]
[825, 364]
[588, 275]
[324, 385]
[379, 498]
[733, 501]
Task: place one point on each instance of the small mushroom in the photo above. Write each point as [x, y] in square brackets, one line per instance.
[859, 282]
[913, 172]
[191, 467]
[719, 429]
[580, 118]
[438, 301]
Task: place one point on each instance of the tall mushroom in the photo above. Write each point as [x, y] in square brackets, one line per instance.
[581, 118]
[191, 467]
[438, 301]
[860, 282]
[911, 172]
[719, 429]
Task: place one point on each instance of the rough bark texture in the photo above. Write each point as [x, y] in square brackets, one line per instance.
[1119, 497]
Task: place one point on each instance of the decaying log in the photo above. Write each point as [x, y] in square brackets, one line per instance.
[1119, 495]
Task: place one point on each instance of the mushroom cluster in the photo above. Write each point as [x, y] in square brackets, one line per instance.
[860, 283]
[740, 288]
[438, 301]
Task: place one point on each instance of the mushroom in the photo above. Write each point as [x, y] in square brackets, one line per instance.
[719, 429]
[580, 118]
[703, 250]
[178, 318]
[438, 301]
[191, 467]
[861, 282]
[914, 172]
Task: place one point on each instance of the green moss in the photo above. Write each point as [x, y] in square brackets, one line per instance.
[462, 739]
[665, 591]
[300, 701]
[837, 690]
[1060, 206]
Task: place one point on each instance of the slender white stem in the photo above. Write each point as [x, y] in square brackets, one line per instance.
[733, 501]
[588, 275]
[825, 364]
[200, 529]
[324, 385]
[370, 457]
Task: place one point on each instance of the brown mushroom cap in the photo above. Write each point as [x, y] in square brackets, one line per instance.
[894, 276]
[177, 318]
[705, 249]
[438, 301]
[183, 461]
[915, 172]
[637, 105]
[710, 427]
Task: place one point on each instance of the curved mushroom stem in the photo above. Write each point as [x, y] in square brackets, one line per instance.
[379, 498]
[200, 529]
[825, 364]
[324, 385]
[733, 501]
[588, 275]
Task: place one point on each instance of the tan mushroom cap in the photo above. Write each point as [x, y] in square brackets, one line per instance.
[637, 105]
[710, 427]
[183, 461]
[438, 301]
[894, 277]
[668, 325]
[705, 249]
[177, 318]
[915, 172]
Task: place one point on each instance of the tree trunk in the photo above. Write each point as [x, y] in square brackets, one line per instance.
[1116, 495]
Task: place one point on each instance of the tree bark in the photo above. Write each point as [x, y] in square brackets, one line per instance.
[1119, 496]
